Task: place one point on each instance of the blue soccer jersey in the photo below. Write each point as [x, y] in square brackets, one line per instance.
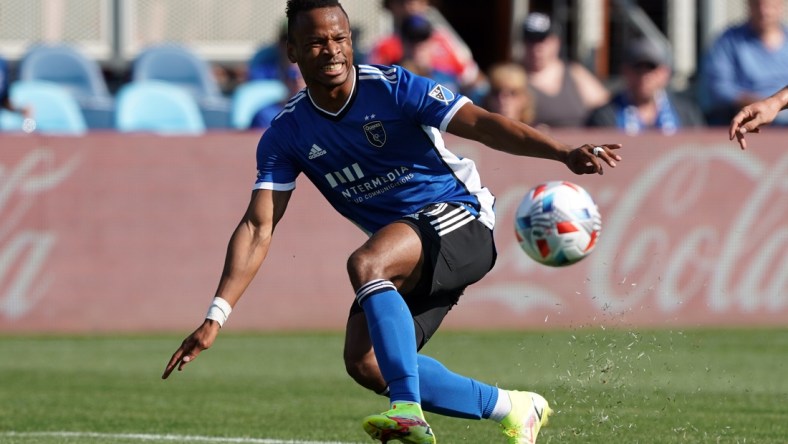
[380, 157]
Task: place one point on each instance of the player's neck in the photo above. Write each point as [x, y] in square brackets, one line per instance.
[332, 99]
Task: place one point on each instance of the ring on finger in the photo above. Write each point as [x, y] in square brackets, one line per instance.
[597, 151]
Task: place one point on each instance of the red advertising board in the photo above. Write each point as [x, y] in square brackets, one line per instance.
[111, 232]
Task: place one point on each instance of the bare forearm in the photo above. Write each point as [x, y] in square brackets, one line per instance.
[246, 251]
[781, 98]
[516, 138]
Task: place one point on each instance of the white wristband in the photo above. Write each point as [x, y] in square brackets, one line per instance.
[219, 311]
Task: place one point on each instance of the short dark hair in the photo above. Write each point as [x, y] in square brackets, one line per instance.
[294, 7]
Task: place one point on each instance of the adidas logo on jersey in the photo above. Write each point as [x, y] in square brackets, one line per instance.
[316, 152]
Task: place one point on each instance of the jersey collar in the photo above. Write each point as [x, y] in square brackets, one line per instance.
[342, 111]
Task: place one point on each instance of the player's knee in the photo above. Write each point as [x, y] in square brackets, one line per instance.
[362, 266]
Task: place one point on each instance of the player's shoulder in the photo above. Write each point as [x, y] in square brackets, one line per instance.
[285, 124]
[297, 104]
[379, 73]
[390, 78]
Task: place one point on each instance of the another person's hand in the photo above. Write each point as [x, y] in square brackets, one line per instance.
[752, 116]
[201, 339]
[27, 111]
[588, 159]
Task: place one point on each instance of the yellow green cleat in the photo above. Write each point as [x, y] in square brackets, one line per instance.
[404, 423]
[530, 412]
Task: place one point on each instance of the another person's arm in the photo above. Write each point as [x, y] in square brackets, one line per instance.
[592, 91]
[500, 133]
[752, 116]
[246, 251]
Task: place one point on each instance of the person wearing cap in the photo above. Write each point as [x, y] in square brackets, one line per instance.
[746, 63]
[448, 56]
[644, 101]
[418, 53]
[564, 92]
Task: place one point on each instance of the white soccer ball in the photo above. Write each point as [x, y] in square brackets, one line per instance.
[557, 223]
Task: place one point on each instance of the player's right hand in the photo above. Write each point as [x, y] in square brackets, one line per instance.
[588, 159]
[201, 339]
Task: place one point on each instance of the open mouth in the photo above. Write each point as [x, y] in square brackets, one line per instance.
[332, 68]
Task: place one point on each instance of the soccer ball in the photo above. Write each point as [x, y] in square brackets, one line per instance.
[557, 223]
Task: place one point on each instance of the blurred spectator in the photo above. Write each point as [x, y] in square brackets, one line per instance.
[417, 52]
[509, 95]
[564, 92]
[748, 62]
[442, 51]
[295, 83]
[229, 76]
[5, 99]
[270, 62]
[645, 102]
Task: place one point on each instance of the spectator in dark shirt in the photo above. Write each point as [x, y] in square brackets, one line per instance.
[564, 92]
[645, 102]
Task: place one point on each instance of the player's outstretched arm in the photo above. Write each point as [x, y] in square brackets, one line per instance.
[246, 251]
[752, 116]
[503, 134]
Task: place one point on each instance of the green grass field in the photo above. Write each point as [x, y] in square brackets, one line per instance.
[607, 386]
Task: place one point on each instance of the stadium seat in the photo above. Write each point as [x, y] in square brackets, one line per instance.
[250, 97]
[159, 107]
[179, 65]
[55, 109]
[66, 66]
[10, 122]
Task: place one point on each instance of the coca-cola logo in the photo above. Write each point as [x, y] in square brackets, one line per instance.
[23, 249]
[703, 227]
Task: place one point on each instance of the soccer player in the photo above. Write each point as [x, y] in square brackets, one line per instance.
[752, 116]
[369, 138]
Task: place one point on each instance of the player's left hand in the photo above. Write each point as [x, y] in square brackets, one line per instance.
[588, 159]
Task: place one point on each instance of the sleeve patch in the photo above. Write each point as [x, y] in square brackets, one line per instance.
[442, 94]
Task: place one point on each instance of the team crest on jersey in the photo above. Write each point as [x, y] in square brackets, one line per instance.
[442, 94]
[376, 134]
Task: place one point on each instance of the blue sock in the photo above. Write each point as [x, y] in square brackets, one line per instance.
[450, 394]
[393, 337]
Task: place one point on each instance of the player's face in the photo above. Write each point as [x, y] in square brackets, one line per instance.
[322, 47]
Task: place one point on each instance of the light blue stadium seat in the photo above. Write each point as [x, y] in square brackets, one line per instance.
[10, 122]
[55, 109]
[250, 97]
[181, 66]
[159, 107]
[68, 67]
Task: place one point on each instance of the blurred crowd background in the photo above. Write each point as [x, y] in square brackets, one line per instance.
[190, 66]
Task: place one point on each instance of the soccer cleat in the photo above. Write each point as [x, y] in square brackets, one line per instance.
[404, 423]
[529, 413]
